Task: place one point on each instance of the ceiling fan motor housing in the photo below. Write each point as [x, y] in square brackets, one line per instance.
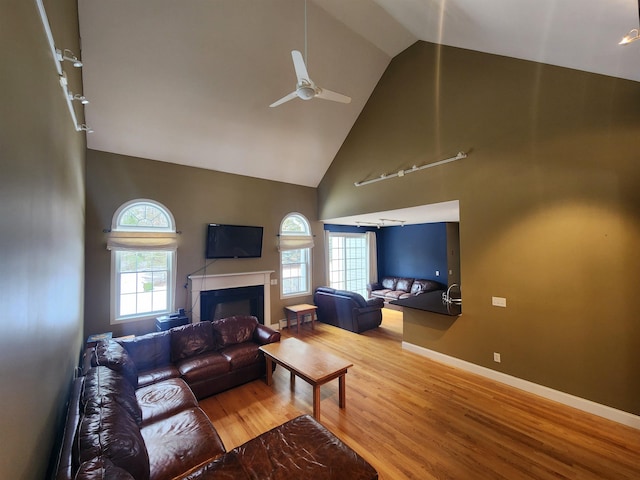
[306, 92]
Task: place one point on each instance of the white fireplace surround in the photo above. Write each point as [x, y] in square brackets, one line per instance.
[203, 283]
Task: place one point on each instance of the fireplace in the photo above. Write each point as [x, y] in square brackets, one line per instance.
[225, 302]
[237, 301]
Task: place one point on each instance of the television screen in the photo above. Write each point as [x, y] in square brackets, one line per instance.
[233, 241]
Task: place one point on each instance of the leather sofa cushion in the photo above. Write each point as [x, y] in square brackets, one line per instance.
[299, 448]
[112, 433]
[404, 284]
[102, 386]
[234, 330]
[202, 367]
[395, 295]
[164, 399]
[180, 442]
[389, 283]
[110, 353]
[192, 339]
[149, 351]
[101, 468]
[156, 375]
[242, 355]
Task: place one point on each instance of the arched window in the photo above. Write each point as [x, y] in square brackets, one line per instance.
[143, 258]
[295, 246]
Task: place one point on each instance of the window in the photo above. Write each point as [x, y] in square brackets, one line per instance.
[295, 256]
[143, 257]
[348, 255]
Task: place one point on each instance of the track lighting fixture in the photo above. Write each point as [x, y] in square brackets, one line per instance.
[80, 98]
[634, 34]
[382, 223]
[68, 55]
[402, 173]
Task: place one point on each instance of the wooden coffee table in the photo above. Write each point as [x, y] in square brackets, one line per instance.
[313, 365]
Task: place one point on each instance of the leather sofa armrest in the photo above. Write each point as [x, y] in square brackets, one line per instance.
[375, 302]
[374, 286]
[263, 335]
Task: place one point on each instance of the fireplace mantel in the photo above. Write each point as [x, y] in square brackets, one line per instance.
[203, 283]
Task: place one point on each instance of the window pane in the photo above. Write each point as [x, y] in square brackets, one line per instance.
[127, 305]
[144, 302]
[128, 261]
[294, 224]
[144, 215]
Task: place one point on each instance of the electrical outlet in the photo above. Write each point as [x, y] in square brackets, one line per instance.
[496, 357]
[499, 302]
[274, 281]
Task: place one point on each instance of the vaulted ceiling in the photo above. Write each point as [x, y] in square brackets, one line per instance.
[190, 81]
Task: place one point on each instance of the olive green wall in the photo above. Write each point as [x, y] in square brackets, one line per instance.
[195, 197]
[549, 209]
[41, 236]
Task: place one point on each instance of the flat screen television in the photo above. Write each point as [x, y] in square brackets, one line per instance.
[233, 241]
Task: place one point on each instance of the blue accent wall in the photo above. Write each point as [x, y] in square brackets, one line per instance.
[415, 251]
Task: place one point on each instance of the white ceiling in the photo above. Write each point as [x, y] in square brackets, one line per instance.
[434, 213]
[190, 81]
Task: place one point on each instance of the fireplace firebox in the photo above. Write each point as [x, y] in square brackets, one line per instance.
[226, 302]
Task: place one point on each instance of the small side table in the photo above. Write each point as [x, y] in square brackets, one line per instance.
[300, 311]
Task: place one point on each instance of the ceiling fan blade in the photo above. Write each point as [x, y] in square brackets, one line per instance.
[284, 99]
[301, 68]
[329, 95]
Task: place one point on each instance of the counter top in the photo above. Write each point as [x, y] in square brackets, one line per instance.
[430, 302]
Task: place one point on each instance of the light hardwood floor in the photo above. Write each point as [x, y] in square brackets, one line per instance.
[411, 417]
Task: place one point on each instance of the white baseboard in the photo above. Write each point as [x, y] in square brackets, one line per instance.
[282, 323]
[588, 406]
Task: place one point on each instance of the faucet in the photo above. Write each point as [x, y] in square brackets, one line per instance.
[446, 296]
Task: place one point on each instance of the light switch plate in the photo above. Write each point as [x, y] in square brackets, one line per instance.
[499, 302]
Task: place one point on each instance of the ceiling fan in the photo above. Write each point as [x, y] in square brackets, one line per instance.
[306, 89]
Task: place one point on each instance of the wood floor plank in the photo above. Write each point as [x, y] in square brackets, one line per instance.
[412, 417]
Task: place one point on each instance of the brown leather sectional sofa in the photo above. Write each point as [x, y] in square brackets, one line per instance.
[396, 288]
[134, 413]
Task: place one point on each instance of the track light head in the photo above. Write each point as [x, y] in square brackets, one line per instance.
[633, 35]
[85, 128]
[68, 55]
[630, 37]
[80, 98]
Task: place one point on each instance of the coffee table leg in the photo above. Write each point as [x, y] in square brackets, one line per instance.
[292, 379]
[316, 402]
[341, 390]
[269, 369]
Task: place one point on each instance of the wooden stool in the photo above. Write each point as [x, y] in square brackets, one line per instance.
[300, 311]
